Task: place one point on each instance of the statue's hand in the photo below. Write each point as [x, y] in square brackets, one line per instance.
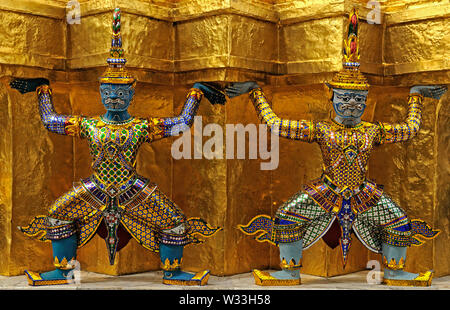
[28, 85]
[212, 92]
[240, 88]
[432, 91]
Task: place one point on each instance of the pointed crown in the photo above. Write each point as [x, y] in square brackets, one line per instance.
[116, 72]
[350, 77]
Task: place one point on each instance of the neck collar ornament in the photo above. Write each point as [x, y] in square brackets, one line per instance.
[350, 76]
[116, 72]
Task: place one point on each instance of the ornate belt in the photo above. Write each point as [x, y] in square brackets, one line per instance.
[122, 193]
[345, 192]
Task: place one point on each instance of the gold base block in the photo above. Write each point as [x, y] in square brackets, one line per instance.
[424, 279]
[265, 279]
[35, 279]
[200, 279]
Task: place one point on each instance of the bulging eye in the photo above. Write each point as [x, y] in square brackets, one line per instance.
[120, 93]
[106, 93]
[345, 98]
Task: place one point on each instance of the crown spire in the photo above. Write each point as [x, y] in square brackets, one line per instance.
[350, 76]
[351, 43]
[116, 72]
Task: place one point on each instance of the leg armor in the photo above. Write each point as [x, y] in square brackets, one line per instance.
[171, 254]
[64, 243]
[290, 256]
[298, 224]
[385, 228]
[394, 261]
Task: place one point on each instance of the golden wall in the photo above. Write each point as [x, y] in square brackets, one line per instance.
[290, 47]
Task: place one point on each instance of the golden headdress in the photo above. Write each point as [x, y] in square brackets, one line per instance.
[350, 77]
[116, 72]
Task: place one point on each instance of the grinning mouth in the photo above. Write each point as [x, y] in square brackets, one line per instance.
[354, 113]
[114, 102]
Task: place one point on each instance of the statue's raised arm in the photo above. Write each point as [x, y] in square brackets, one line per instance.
[391, 133]
[173, 126]
[54, 122]
[293, 129]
